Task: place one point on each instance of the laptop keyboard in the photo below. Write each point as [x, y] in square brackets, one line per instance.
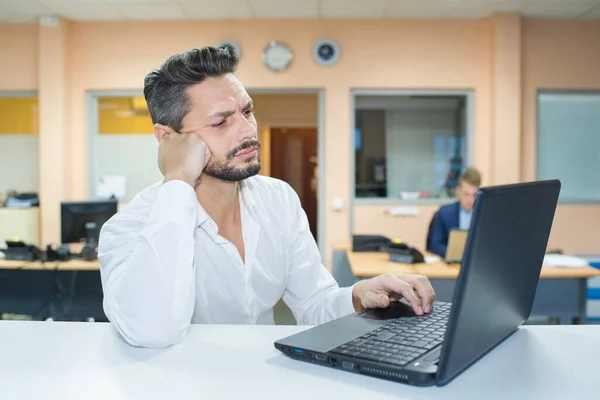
[401, 340]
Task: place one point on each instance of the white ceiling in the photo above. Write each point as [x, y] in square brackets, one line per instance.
[131, 10]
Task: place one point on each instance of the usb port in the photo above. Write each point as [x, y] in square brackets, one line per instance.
[347, 365]
[320, 357]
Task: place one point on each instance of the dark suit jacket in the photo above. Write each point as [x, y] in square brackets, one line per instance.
[444, 221]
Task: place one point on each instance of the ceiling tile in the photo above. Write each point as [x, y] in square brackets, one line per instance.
[484, 8]
[541, 2]
[16, 18]
[87, 11]
[139, 1]
[15, 11]
[352, 9]
[22, 7]
[284, 8]
[419, 8]
[215, 9]
[594, 13]
[154, 11]
[62, 2]
[556, 8]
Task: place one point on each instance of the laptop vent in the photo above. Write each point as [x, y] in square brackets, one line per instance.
[381, 373]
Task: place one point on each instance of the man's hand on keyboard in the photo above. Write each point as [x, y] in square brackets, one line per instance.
[378, 292]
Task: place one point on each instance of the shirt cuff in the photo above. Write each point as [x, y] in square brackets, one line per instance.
[176, 202]
[346, 303]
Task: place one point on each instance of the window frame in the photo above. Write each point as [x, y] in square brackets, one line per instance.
[469, 125]
[561, 200]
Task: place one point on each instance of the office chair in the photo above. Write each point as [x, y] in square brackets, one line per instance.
[428, 241]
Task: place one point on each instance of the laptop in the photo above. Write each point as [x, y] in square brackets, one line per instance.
[457, 241]
[493, 296]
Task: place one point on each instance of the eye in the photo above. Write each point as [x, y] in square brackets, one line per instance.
[217, 125]
[248, 112]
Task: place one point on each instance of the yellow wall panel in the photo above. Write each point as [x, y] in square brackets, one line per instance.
[19, 115]
[123, 115]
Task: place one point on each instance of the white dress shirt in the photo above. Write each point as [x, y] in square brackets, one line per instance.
[464, 219]
[164, 264]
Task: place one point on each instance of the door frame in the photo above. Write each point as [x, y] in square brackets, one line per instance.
[320, 151]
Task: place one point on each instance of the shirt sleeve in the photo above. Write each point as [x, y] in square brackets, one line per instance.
[312, 294]
[146, 255]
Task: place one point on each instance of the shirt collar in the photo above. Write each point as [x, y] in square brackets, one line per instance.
[246, 195]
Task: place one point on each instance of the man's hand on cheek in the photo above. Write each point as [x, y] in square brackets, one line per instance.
[378, 292]
[183, 156]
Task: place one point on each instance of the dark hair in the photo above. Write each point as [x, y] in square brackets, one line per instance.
[165, 87]
[471, 176]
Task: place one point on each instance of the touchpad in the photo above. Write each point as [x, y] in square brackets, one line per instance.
[397, 309]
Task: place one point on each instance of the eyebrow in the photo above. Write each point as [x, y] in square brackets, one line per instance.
[227, 113]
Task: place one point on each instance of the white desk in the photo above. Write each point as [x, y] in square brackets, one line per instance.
[43, 360]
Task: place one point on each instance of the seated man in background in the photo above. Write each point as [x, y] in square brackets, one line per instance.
[456, 215]
[214, 242]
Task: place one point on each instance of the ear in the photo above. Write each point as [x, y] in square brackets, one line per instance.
[162, 131]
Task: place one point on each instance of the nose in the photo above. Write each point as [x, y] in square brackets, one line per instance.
[246, 129]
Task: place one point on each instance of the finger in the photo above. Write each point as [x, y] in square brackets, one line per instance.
[207, 154]
[395, 285]
[423, 287]
[374, 299]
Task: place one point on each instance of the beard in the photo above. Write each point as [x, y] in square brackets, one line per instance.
[227, 171]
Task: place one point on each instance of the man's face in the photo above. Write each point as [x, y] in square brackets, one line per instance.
[466, 195]
[222, 115]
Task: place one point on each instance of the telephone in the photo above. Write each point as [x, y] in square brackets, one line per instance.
[20, 251]
[403, 253]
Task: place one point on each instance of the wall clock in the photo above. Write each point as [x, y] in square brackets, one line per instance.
[277, 56]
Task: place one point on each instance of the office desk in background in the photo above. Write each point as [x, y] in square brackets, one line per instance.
[72, 265]
[61, 290]
[561, 292]
[58, 360]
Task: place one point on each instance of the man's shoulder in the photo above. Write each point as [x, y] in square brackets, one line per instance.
[142, 202]
[448, 209]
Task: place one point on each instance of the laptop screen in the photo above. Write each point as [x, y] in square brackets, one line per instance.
[500, 271]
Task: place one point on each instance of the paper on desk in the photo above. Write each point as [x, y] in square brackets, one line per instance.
[432, 259]
[561, 260]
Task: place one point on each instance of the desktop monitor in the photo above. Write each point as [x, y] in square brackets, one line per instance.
[81, 221]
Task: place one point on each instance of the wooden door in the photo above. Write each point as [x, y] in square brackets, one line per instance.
[294, 160]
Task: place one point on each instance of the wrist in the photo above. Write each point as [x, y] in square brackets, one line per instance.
[176, 176]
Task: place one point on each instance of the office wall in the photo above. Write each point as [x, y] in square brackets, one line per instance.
[19, 57]
[414, 54]
[19, 166]
[375, 54]
[560, 55]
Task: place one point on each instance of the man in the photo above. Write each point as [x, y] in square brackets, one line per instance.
[213, 242]
[455, 215]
